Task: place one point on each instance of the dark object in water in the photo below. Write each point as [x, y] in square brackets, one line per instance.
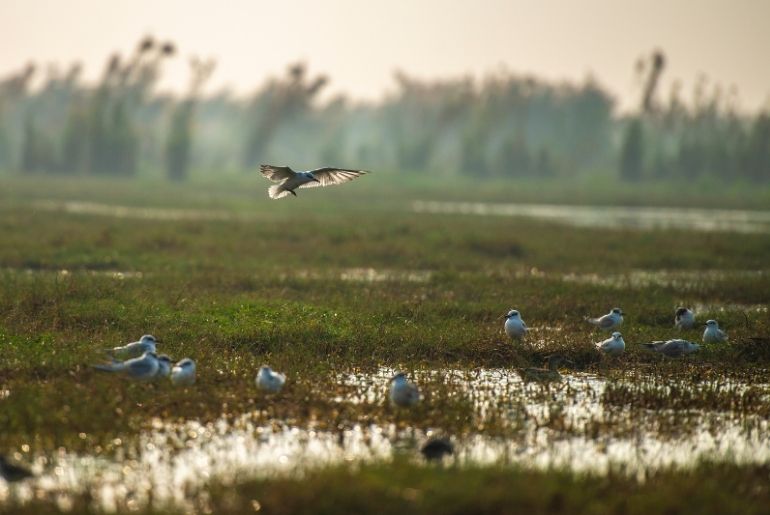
[13, 473]
[436, 448]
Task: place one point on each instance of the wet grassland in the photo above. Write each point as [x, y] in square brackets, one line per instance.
[338, 289]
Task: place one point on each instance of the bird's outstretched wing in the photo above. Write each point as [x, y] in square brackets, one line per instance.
[331, 176]
[276, 173]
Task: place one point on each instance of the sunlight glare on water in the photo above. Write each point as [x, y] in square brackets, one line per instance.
[612, 216]
[564, 426]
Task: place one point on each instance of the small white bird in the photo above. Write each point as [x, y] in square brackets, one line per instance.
[684, 318]
[144, 368]
[514, 326]
[269, 381]
[402, 392]
[608, 322]
[673, 348]
[164, 366]
[146, 343]
[612, 346]
[289, 180]
[713, 334]
[183, 373]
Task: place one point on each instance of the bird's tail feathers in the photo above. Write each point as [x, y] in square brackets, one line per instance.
[592, 321]
[111, 367]
[275, 192]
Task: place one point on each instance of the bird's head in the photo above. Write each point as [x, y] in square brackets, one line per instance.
[185, 363]
[264, 369]
[164, 358]
[712, 323]
[148, 338]
[512, 314]
[617, 311]
[617, 336]
[401, 376]
[681, 311]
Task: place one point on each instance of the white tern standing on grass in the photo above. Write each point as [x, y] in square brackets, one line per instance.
[269, 381]
[144, 368]
[684, 318]
[402, 392]
[146, 343]
[289, 180]
[514, 326]
[612, 346]
[164, 366]
[713, 334]
[673, 348]
[183, 373]
[608, 322]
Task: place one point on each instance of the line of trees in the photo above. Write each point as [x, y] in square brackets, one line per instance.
[503, 126]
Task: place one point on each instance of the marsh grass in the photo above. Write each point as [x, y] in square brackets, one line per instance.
[403, 488]
[270, 288]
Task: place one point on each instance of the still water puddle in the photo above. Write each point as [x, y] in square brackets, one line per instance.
[360, 275]
[745, 221]
[612, 216]
[140, 213]
[566, 425]
[682, 279]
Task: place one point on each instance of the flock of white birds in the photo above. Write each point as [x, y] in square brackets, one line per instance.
[684, 318]
[141, 362]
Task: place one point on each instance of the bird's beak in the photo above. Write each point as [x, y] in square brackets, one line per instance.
[158, 341]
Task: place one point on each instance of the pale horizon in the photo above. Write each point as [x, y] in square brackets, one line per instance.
[360, 45]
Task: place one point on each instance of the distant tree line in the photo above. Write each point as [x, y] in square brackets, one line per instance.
[503, 126]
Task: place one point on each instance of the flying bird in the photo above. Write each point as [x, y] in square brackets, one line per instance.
[713, 334]
[684, 318]
[288, 180]
[269, 381]
[673, 348]
[402, 392]
[608, 322]
[612, 346]
[515, 327]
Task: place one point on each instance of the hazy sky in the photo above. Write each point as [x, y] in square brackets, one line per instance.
[359, 43]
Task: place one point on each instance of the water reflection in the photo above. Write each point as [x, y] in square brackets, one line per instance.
[612, 216]
[569, 425]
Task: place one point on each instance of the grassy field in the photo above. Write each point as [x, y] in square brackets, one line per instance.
[350, 279]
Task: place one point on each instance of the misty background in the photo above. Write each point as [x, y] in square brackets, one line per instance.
[119, 118]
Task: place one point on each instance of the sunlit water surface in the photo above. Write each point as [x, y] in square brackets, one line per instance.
[564, 426]
[698, 219]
